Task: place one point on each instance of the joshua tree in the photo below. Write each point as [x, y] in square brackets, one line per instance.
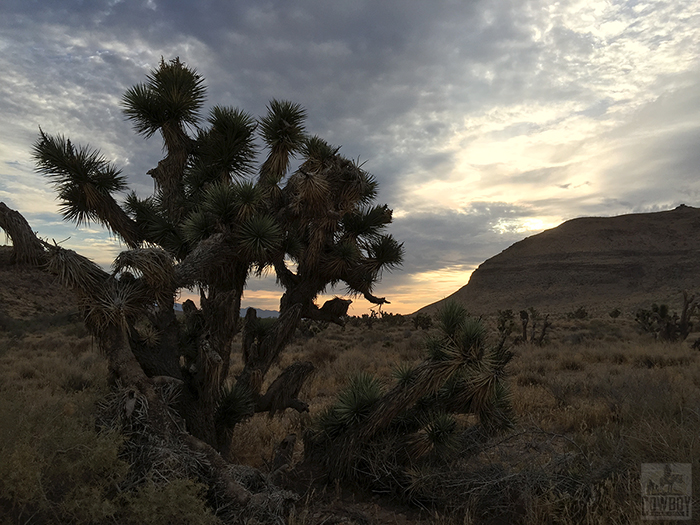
[535, 317]
[214, 219]
[666, 327]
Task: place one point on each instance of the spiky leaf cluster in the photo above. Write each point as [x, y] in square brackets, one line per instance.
[85, 182]
[171, 97]
[478, 385]
[223, 152]
[353, 405]
[437, 437]
[414, 422]
[283, 132]
[337, 234]
[236, 404]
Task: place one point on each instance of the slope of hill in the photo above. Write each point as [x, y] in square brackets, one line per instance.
[601, 263]
[27, 292]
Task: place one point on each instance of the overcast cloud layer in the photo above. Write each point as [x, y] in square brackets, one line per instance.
[484, 121]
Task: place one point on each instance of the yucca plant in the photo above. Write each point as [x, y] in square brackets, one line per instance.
[353, 405]
[223, 208]
[383, 436]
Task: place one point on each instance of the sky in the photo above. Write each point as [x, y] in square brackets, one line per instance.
[484, 121]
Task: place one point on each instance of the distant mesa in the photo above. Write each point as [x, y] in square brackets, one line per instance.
[625, 262]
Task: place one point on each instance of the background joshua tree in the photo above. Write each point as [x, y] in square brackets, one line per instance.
[211, 223]
[666, 327]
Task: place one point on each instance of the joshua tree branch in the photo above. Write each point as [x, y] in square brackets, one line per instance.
[116, 219]
[332, 311]
[286, 277]
[284, 390]
[375, 300]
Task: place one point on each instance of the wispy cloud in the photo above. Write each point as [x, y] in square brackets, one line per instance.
[484, 122]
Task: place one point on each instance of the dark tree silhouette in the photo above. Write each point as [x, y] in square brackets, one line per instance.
[221, 210]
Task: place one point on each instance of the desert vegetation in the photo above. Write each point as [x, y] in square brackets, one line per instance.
[587, 408]
[218, 215]
[665, 326]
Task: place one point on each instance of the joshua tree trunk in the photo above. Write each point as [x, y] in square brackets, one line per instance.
[685, 325]
[259, 355]
[27, 249]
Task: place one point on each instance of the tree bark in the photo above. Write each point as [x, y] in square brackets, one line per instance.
[284, 391]
[168, 174]
[27, 248]
[259, 357]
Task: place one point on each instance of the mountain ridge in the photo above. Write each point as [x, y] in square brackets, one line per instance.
[626, 261]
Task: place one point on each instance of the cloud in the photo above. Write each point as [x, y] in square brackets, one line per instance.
[483, 122]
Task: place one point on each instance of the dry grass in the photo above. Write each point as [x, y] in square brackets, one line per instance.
[55, 467]
[592, 405]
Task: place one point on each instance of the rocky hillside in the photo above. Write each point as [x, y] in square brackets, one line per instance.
[600, 263]
[27, 293]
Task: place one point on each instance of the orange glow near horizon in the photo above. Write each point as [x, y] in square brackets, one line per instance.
[424, 289]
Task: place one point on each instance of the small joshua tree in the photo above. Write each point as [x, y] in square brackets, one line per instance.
[533, 316]
[378, 433]
[664, 326]
[505, 323]
[422, 321]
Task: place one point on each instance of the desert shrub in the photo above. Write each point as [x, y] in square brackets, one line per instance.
[307, 327]
[659, 361]
[391, 319]
[177, 501]
[354, 321]
[571, 364]
[54, 466]
[76, 381]
[57, 466]
[369, 319]
[321, 354]
[530, 379]
[422, 321]
[579, 313]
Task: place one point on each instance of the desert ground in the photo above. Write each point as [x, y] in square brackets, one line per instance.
[596, 400]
